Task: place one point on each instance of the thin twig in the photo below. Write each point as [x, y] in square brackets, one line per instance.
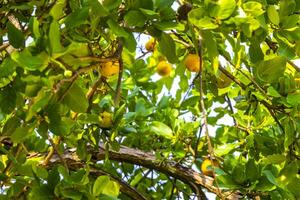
[119, 84]
[231, 109]
[204, 112]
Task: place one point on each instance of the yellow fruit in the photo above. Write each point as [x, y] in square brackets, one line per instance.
[109, 68]
[207, 166]
[192, 62]
[150, 44]
[106, 120]
[223, 81]
[164, 68]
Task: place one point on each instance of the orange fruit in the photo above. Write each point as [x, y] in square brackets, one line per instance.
[164, 68]
[192, 62]
[150, 44]
[207, 166]
[109, 68]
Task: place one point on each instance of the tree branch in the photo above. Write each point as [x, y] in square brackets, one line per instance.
[148, 160]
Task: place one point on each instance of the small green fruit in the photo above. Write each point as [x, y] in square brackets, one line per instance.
[68, 73]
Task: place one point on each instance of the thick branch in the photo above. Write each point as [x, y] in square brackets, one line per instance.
[148, 160]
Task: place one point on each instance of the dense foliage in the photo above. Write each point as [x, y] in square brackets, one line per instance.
[88, 112]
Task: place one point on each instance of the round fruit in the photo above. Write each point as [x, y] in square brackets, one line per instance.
[106, 120]
[68, 73]
[150, 44]
[207, 166]
[109, 68]
[192, 62]
[223, 81]
[164, 68]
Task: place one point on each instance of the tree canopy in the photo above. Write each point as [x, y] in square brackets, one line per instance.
[90, 110]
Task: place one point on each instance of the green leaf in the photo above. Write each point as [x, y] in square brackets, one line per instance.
[21, 133]
[112, 189]
[253, 8]
[270, 70]
[149, 13]
[71, 193]
[225, 149]
[34, 25]
[29, 62]
[10, 126]
[8, 98]
[289, 130]
[239, 173]
[274, 159]
[161, 129]
[293, 98]
[75, 99]
[7, 72]
[288, 173]
[77, 17]
[225, 8]
[167, 46]
[119, 31]
[57, 10]
[212, 49]
[100, 184]
[287, 7]
[40, 171]
[135, 18]
[15, 36]
[197, 18]
[54, 38]
[97, 8]
[273, 15]
[294, 186]
[290, 22]
[255, 52]
[252, 171]
[225, 181]
[111, 4]
[270, 176]
[272, 92]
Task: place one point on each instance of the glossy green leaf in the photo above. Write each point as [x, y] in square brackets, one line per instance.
[58, 9]
[111, 188]
[15, 36]
[273, 15]
[225, 149]
[225, 8]
[100, 184]
[293, 98]
[31, 62]
[196, 17]
[167, 46]
[161, 129]
[274, 159]
[54, 37]
[239, 172]
[77, 18]
[135, 18]
[252, 170]
[75, 99]
[271, 70]
[21, 133]
[111, 4]
[35, 27]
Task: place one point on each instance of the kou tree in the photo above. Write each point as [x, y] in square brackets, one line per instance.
[84, 113]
